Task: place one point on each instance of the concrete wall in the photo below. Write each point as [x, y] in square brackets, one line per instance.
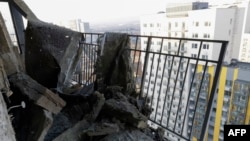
[6, 131]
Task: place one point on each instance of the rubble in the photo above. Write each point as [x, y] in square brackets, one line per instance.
[125, 112]
[55, 111]
[39, 94]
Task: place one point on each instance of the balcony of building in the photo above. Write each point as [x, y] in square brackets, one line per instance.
[166, 79]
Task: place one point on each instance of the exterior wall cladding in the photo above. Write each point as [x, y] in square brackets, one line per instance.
[231, 105]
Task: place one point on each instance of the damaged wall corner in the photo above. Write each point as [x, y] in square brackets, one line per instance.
[6, 130]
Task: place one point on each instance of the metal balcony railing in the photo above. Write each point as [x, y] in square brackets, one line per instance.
[157, 71]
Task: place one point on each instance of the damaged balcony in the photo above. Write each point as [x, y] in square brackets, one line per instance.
[103, 87]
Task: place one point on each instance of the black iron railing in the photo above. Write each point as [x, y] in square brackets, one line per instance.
[178, 75]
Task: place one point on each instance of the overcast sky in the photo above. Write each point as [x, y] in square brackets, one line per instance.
[94, 10]
[98, 10]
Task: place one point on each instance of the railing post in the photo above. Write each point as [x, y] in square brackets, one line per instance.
[145, 65]
[213, 90]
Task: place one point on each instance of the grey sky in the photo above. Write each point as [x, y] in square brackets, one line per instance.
[98, 10]
[94, 11]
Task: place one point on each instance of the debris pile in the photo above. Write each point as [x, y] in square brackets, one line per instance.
[38, 104]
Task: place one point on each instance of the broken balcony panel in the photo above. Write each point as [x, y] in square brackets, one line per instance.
[37, 93]
[52, 54]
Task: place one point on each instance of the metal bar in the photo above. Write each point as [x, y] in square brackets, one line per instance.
[176, 82]
[88, 65]
[18, 26]
[194, 74]
[163, 72]
[197, 61]
[91, 38]
[199, 91]
[135, 49]
[170, 72]
[145, 64]
[171, 38]
[138, 67]
[80, 67]
[187, 66]
[85, 65]
[152, 64]
[156, 79]
[214, 86]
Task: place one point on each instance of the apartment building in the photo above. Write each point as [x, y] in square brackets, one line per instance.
[193, 20]
[231, 105]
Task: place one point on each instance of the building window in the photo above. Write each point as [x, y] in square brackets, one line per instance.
[195, 35]
[207, 23]
[229, 83]
[169, 26]
[175, 72]
[183, 25]
[194, 55]
[144, 25]
[206, 35]
[183, 35]
[231, 21]
[175, 44]
[151, 25]
[176, 24]
[196, 23]
[204, 57]
[194, 45]
[205, 46]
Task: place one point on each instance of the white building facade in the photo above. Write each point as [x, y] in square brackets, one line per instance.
[193, 20]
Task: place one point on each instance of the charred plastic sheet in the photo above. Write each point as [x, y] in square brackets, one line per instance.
[51, 54]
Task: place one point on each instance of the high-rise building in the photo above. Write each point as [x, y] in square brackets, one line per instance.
[76, 25]
[197, 20]
[231, 105]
